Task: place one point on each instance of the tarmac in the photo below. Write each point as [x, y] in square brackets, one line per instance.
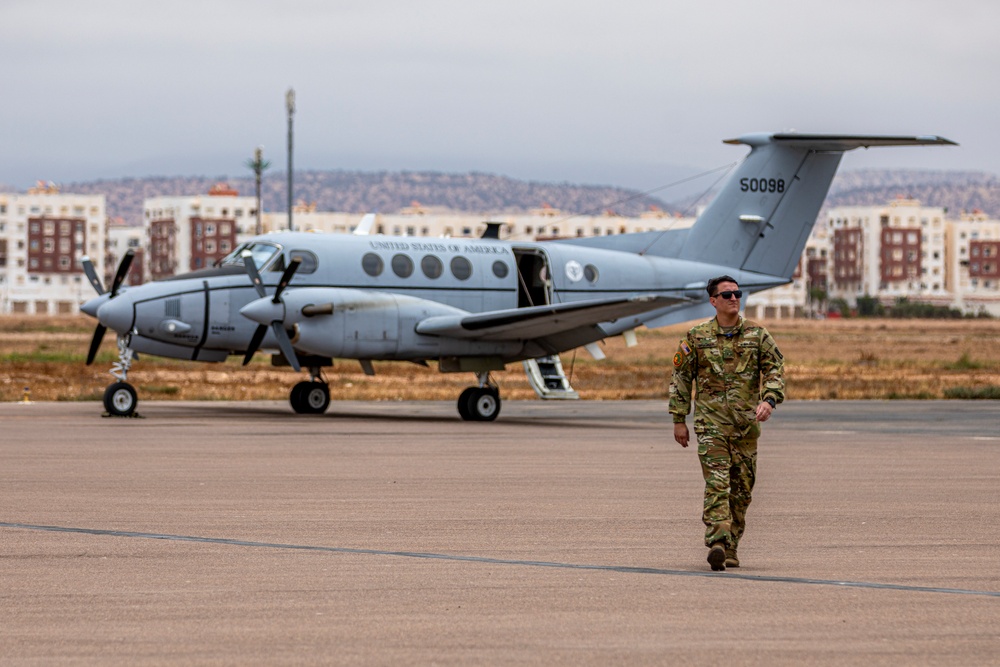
[564, 533]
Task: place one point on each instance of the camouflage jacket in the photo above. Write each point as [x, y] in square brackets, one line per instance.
[732, 373]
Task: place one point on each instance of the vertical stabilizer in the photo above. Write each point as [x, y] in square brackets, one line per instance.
[762, 217]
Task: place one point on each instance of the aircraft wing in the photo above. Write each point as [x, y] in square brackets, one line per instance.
[541, 321]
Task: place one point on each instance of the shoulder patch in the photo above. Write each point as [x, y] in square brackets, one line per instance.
[678, 360]
[685, 347]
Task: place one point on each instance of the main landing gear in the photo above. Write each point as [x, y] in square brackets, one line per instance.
[480, 403]
[311, 397]
[120, 399]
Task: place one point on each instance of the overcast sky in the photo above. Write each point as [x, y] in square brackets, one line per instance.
[630, 92]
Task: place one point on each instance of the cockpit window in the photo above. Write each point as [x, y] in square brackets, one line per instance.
[307, 260]
[262, 253]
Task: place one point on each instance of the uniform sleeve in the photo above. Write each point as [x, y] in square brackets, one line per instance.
[685, 368]
[772, 369]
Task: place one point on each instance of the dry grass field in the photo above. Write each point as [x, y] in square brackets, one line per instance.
[831, 359]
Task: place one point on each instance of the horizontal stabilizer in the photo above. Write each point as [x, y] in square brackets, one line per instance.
[540, 321]
[839, 142]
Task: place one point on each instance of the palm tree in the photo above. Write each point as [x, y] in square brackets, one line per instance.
[258, 164]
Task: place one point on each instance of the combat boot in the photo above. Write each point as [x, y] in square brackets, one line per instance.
[732, 560]
[717, 556]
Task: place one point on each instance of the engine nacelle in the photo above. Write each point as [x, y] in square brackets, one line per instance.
[354, 324]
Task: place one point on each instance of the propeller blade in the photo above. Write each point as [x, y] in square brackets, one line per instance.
[254, 274]
[258, 336]
[285, 344]
[122, 272]
[286, 278]
[95, 343]
[88, 268]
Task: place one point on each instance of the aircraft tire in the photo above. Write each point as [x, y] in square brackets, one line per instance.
[483, 404]
[310, 398]
[317, 397]
[120, 399]
[464, 399]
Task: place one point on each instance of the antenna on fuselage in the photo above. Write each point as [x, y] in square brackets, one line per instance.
[492, 230]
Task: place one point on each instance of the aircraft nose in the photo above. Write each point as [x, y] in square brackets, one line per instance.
[116, 314]
[264, 311]
[92, 306]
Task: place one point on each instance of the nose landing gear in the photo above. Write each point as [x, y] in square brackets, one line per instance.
[120, 399]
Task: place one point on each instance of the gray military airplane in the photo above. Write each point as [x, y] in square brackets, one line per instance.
[472, 305]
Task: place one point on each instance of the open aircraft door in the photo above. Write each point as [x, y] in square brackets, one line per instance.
[534, 288]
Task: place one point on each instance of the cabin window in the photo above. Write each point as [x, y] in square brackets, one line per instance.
[402, 266]
[432, 266]
[591, 273]
[372, 264]
[500, 269]
[461, 268]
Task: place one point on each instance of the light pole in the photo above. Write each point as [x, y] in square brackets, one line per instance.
[290, 105]
[258, 164]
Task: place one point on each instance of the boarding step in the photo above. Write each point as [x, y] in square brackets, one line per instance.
[548, 379]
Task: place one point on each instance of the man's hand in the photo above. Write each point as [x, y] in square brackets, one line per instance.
[764, 411]
[681, 433]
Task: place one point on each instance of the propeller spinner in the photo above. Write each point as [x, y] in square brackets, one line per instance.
[276, 314]
[116, 283]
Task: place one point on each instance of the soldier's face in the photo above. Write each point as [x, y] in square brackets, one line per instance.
[726, 307]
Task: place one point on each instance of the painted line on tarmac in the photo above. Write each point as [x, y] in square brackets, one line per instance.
[501, 561]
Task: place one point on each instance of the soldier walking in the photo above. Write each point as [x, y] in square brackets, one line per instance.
[736, 369]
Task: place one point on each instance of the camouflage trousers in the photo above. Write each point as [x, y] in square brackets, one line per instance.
[729, 465]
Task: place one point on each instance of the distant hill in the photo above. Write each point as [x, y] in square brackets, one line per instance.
[390, 192]
[956, 191]
[383, 192]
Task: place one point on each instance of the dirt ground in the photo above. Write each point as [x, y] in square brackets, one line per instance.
[826, 359]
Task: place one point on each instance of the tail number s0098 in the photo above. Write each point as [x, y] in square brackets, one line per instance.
[762, 184]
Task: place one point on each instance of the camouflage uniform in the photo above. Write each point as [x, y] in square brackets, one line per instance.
[734, 371]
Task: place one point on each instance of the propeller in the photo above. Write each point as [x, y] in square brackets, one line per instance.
[277, 325]
[116, 283]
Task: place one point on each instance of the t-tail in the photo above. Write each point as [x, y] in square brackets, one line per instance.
[760, 220]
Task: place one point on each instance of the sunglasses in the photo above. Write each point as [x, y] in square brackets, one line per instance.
[729, 294]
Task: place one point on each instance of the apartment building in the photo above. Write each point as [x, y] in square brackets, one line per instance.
[900, 249]
[891, 251]
[972, 257]
[796, 298]
[120, 239]
[191, 232]
[43, 235]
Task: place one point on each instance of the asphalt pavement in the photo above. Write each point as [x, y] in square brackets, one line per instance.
[564, 533]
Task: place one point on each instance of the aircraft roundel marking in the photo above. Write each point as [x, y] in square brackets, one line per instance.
[574, 271]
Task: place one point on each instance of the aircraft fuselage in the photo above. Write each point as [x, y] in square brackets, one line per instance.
[380, 288]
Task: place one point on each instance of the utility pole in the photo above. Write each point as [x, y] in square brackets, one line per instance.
[290, 104]
[258, 164]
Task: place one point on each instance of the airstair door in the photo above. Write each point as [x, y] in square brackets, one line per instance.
[534, 288]
[548, 379]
